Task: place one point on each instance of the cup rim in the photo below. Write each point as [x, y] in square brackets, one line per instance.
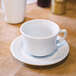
[24, 34]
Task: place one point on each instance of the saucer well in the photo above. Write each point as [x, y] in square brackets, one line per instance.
[61, 53]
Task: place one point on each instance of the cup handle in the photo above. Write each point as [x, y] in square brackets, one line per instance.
[65, 34]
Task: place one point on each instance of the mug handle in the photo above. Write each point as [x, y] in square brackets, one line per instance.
[65, 34]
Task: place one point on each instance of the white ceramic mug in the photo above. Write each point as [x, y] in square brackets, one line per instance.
[40, 37]
[13, 10]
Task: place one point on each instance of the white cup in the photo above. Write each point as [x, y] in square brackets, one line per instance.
[13, 10]
[40, 37]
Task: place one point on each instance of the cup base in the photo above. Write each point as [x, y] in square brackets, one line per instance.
[43, 56]
[13, 22]
[38, 55]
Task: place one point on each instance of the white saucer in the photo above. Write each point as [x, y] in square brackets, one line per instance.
[61, 53]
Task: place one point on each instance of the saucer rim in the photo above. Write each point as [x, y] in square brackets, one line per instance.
[54, 62]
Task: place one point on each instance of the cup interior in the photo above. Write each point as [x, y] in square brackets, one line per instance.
[39, 28]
